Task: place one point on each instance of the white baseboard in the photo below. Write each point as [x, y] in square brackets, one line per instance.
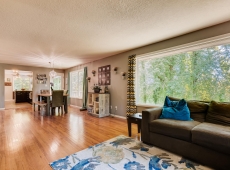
[122, 117]
[2, 108]
[113, 115]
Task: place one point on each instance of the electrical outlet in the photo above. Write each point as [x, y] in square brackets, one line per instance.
[115, 107]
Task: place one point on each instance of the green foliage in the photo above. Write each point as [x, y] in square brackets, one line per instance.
[57, 83]
[200, 75]
[22, 82]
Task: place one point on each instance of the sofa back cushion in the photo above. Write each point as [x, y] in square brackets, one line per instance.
[219, 113]
[198, 109]
[177, 110]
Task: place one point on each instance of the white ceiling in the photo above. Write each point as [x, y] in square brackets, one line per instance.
[73, 32]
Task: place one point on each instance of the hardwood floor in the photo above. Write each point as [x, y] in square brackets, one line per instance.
[13, 105]
[31, 141]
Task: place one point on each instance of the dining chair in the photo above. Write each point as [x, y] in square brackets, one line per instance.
[57, 100]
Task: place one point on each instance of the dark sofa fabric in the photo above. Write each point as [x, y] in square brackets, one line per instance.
[174, 128]
[201, 141]
[212, 136]
[191, 151]
[219, 113]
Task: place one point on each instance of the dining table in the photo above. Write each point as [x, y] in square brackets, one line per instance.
[48, 96]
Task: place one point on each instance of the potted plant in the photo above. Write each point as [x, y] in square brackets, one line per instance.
[96, 88]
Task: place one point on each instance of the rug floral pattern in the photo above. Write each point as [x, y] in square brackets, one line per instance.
[124, 153]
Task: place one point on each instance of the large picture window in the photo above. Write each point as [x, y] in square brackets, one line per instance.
[200, 75]
[76, 84]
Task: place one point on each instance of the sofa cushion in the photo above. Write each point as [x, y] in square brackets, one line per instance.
[198, 109]
[175, 110]
[213, 136]
[200, 117]
[173, 128]
[219, 113]
[197, 106]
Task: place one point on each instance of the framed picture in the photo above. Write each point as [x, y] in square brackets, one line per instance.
[7, 83]
[103, 81]
[41, 79]
[104, 75]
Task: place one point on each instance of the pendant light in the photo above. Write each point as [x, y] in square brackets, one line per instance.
[52, 73]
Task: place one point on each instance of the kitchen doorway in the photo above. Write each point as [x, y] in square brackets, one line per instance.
[18, 89]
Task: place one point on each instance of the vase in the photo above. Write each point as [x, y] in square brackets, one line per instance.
[97, 90]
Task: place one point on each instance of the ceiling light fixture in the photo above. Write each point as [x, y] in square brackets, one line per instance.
[52, 73]
[16, 73]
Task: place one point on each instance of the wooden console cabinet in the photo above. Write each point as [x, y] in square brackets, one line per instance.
[22, 96]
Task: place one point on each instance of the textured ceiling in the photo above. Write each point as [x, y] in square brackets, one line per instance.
[73, 32]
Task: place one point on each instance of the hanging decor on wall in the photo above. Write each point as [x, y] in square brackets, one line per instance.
[104, 75]
[7, 83]
[41, 79]
[115, 70]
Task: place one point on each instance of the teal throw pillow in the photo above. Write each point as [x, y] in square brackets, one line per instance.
[175, 110]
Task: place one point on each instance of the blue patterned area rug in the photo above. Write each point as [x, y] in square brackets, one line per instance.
[124, 153]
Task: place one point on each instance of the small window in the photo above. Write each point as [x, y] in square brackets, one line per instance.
[57, 83]
[76, 84]
[22, 82]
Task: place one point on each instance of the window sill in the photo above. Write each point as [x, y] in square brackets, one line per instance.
[148, 105]
[75, 98]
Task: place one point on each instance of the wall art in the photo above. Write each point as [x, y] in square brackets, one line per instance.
[7, 83]
[104, 75]
[41, 79]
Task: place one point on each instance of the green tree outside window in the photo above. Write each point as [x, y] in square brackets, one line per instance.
[200, 75]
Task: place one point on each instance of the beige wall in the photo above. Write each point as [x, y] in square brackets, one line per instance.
[9, 89]
[118, 86]
[35, 70]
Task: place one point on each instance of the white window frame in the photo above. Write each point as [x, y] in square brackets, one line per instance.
[30, 79]
[60, 84]
[76, 94]
[209, 42]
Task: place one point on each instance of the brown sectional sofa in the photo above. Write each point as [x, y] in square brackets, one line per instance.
[206, 140]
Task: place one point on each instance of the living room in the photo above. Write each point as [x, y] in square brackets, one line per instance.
[117, 90]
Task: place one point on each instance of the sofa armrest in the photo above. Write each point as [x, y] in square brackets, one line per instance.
[148, 115]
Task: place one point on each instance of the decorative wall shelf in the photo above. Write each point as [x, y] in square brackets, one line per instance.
[98, 104]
